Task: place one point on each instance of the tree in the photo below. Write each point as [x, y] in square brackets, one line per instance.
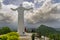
[5, 30]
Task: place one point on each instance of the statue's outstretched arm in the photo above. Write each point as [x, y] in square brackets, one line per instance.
[13, 9]
[29, 9]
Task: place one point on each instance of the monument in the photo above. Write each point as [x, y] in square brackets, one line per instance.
[21, 10]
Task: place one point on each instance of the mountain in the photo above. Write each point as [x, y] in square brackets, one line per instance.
[44, 28]
[58, 29]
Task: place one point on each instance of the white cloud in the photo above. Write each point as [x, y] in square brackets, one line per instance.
[1, 0]
[47, 14]
[7, 13]
[28, 4]
[8, 17]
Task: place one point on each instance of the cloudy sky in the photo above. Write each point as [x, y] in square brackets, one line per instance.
[45, 12]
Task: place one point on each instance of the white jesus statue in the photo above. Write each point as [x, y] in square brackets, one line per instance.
[21, 10]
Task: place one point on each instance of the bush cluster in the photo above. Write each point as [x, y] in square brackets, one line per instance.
[10, 36]
[5, 30]
[55, 36]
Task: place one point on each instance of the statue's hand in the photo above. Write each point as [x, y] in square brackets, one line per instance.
[13, 9]
[31, 8]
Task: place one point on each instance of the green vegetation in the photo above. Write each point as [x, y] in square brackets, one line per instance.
[33, 36]
[49, 32]
[45, 30]
[10, 36]
[5, 30]
[7, 34]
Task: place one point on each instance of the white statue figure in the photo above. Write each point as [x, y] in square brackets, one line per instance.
[21, 10]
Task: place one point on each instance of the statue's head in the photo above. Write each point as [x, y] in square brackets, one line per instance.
[20, 5]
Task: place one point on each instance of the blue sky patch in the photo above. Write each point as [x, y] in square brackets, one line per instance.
[15, 2]
[29, 0]
[56, 1]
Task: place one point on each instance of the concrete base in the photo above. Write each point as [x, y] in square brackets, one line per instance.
[27, 36]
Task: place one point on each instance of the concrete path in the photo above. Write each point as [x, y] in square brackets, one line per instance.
[28, 37]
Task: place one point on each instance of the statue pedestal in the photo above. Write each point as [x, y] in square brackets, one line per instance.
[22, 34]
[27, 36]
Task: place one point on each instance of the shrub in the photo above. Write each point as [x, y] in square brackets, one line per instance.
[13, 38]
[33, 36]
[10, 36]
[3, 37]
[13, 34]
[5, 30]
